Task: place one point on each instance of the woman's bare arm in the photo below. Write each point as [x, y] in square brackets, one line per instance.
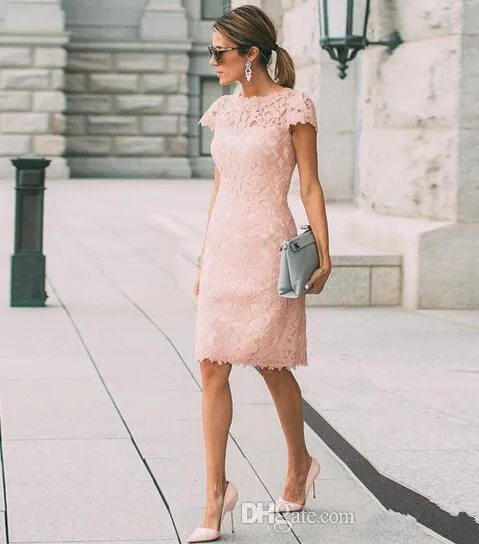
[304, 141]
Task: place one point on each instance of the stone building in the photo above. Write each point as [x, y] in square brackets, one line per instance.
[399, 138]
[111, 88]
[114, 88]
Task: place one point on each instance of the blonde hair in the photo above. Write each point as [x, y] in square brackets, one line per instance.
[249, 25]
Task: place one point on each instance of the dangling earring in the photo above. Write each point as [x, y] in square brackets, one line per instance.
[247, 71]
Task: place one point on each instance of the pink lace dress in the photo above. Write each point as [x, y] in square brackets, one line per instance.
[240, 317]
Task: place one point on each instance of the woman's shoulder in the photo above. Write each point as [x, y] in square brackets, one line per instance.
[294, 99]
[300, 96]
[302, 108]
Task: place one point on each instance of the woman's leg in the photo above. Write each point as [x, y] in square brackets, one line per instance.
[286, 395]
[217, 416]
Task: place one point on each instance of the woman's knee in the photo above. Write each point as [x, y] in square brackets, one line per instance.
[214, 374]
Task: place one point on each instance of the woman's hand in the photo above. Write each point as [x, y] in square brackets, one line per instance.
[318, 279]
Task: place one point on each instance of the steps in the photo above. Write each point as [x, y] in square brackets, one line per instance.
[361, 276]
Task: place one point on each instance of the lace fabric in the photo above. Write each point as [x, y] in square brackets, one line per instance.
[240, 317]
[286, 107]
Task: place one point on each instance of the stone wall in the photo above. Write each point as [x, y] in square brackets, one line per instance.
[32, 102]
[127, 93]
[127, 111]
[419, 181]
[409, 110]
[3, 10]
[468, 171]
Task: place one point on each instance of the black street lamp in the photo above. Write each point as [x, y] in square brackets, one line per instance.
[343, 28]
[27, 285]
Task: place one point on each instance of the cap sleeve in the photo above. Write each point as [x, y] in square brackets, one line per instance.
[209, 117]
[302, 110]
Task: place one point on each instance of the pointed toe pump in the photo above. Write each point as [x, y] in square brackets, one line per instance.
[282, 505]
[205, 534]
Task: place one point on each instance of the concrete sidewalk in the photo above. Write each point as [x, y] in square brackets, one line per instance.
[403, 387]
[101, 400]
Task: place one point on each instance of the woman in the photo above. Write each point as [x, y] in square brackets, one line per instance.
[259, 136]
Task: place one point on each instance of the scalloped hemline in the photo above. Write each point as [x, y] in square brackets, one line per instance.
[272, 366]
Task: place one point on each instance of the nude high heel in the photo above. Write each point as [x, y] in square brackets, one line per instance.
[282, 505]
[205, 534]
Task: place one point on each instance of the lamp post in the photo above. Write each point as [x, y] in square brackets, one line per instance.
[27, 286]
[343, 29]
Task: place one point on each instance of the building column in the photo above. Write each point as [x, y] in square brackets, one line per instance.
[164, 20]
[32, 101]
[3, 9]
[34, 16]
[238, 3]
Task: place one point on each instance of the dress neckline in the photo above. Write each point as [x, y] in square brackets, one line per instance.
[257, 98]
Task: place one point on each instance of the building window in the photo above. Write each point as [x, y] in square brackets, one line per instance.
[212, 9]
[210, 91]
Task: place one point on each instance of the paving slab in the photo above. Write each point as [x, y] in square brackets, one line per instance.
[435, 474]
[55, 408]
[405, 392]
[265, 532]
[46, 367]
[184, 441]
[176, 475]
[125, 330]
[387, 527]
[166, 407]
[469, 318]
[36, 330]
[156, 541]
[85, 461]
[87, 512]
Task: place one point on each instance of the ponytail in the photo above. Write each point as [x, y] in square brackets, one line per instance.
[248, 25]
[284, 73]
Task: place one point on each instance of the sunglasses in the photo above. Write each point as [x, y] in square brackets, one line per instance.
[218, 53]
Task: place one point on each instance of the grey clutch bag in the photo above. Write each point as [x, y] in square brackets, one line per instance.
[298, 260]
